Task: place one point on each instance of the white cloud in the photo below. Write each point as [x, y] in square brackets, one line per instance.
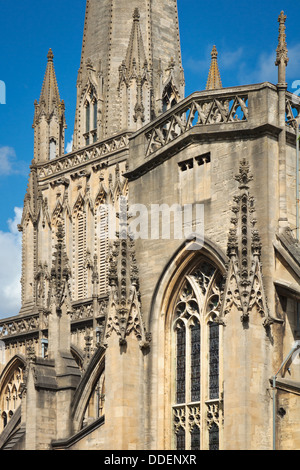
[7, 156]
[9, 165]
[10, 267]
[227, 60]
[293, 69]
[69, 146]
[245, 72]
[265, 69]
[230, 59]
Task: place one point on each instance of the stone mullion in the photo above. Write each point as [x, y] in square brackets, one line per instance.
[203, 357]
[203, 384]
[221, 387]
[187, 383]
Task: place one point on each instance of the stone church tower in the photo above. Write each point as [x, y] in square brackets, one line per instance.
[138, 332]
[127, 74]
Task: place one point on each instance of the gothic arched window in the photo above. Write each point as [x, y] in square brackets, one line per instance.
[196, 340]
[170, 97]
[10, 394]
[91, 116]
[52, 149]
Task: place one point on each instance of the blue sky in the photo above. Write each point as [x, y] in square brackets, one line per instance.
[245, 33]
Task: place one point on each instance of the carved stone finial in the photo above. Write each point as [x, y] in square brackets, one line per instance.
[214, 53]
[60, 272]
[136, 15]
[244, 286]
[282, 50]
[125, 310]
[50, 56]
[244, 177]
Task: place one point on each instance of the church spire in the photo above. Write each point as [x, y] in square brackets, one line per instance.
[214, 78]
[124, 38]
[49, 118]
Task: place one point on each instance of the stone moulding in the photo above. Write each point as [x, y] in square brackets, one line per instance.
[19, 326]
[80, 157]
[244, 285]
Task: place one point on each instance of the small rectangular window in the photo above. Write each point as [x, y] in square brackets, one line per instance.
[202, 159]
[186, 165]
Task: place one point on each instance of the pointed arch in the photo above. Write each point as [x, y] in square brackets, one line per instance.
[170, 95]
[87, 388]
[186, 302]
[102, 194]
[57, 213]
[89, 103]
[78, 355]
[11, 382]
[79, 204]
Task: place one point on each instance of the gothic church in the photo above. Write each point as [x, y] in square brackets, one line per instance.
[151, 343]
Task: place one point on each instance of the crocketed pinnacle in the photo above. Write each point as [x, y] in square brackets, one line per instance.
[135, 58]
[282, 51]
[50, 98]
[60, 272]
[214, 78]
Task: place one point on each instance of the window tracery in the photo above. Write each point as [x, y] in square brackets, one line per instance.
[196, 331]
[91, 117]
[10, 395]
[170, 97]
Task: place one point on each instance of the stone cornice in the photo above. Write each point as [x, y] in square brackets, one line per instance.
[91, 154]
[211, 133]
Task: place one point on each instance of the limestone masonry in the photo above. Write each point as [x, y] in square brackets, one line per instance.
[156, 343]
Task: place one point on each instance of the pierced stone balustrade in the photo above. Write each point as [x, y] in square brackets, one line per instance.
[208, 116]
[79, 158]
